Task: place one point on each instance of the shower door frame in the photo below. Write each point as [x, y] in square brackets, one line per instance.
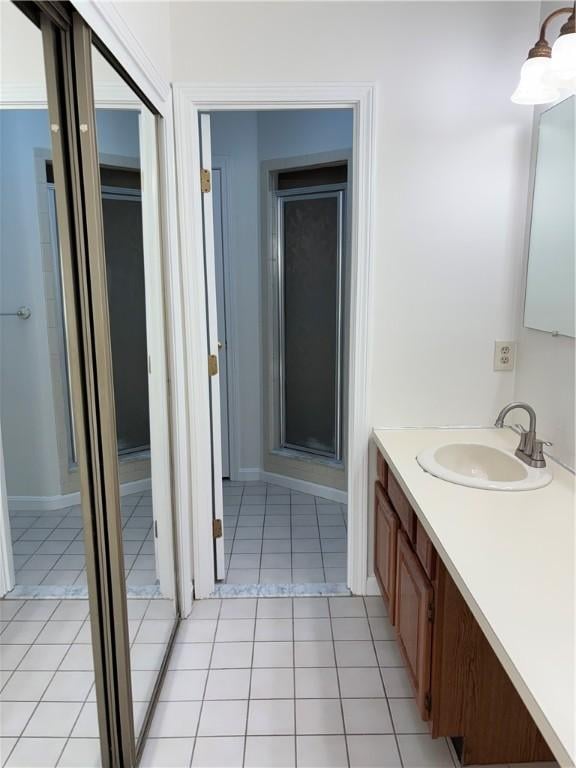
[337, 191]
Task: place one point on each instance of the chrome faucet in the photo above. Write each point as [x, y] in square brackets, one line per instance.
[530, 450]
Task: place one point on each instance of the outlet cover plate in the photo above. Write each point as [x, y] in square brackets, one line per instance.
[504, 355]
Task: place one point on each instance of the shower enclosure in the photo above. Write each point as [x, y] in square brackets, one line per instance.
[309, 238]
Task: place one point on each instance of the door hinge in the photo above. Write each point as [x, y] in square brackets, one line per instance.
[430, 612]
[217, 528]
[428, 702]
[156, 529]
[205, 180]
[212, 365]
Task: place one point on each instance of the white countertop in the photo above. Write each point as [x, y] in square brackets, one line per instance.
[512, 555]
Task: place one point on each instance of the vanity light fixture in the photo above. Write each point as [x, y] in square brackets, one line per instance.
[549, 73]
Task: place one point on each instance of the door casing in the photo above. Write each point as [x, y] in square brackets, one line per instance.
[189, 101]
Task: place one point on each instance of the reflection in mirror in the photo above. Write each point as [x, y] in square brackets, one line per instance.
[127, 150]
[46, 644]
[551, 260]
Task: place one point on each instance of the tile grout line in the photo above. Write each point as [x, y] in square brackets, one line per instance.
[338, 681]
[382, 681]
[261, 547]
[321, 548]
[205, 685]
[294, 681]
[250, 684]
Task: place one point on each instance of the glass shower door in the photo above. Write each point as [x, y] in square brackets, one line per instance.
[310, 241]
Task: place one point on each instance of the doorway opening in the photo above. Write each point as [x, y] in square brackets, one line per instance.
[279, 210]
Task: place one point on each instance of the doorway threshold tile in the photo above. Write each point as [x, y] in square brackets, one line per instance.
[279, 590]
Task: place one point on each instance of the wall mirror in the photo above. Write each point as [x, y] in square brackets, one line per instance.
[551, 275]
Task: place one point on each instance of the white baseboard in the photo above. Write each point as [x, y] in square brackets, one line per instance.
[303, 486]
[372, 587]
[136, 486]
[64, 501]
[248, 475]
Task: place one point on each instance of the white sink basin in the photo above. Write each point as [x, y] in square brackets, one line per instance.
[481, 466]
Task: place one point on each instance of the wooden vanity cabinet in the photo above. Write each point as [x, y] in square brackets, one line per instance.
[414, 606]
[386, 525]
[425, 550]
[460, 686]
[382, 470]
[471, 695]
[401, 506]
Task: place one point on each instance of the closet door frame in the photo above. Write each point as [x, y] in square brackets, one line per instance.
[68, 69]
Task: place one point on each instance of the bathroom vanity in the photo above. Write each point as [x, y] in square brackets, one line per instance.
[479, 586]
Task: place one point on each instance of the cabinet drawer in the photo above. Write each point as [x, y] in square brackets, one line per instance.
[381, 469]
[414, 597]
[386, 525]
[425, 550]
[401, 505]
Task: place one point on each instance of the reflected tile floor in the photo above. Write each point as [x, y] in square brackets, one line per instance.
[48, 546]
[47, 698]
[273, 535]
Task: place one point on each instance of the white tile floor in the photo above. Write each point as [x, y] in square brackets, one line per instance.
[308, 682]
[273, 535]
[47, 699]
[49, 547]
[289, 682]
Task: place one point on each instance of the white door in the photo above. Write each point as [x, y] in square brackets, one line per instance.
[210, 267]
[217, 203]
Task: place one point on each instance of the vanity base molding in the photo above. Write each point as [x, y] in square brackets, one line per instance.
[460, 686]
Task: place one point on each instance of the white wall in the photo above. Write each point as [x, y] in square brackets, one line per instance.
[145, 26]
[291, 133]
[21, 53]
[452, 173]
[246, 139]
[546, 364]
[149, 22]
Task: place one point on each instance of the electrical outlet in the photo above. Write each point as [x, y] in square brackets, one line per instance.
[504, 355]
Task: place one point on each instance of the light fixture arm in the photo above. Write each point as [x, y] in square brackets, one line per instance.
[542, 47]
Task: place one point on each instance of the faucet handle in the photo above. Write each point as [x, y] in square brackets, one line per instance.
[538, 451]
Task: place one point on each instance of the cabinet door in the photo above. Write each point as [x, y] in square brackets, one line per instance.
[402, 506]
[414, 596]
[386, 534]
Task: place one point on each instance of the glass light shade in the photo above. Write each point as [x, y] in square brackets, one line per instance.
[563, 63]
[534, 86]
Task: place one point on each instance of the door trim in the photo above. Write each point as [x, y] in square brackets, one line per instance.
[189, 100]
[221, 164]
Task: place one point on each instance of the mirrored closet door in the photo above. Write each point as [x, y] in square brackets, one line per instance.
[87, 576]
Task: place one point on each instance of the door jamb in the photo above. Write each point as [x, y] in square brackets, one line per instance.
[222, 163]
[189, 100]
